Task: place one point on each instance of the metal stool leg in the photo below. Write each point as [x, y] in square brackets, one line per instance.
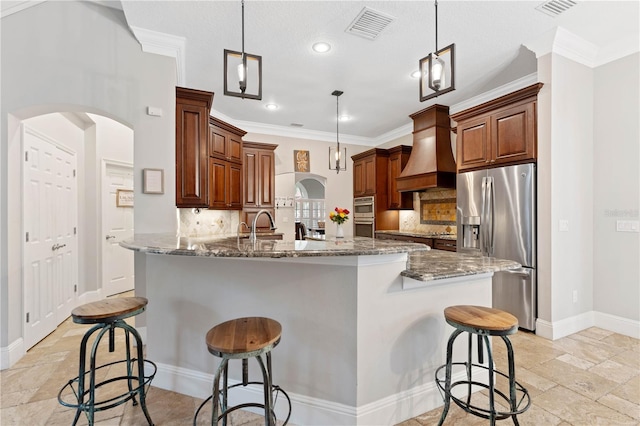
[268, 396]
[512, 380]
[447, 389]
[140, 361]
[492, 406]
[216, 391]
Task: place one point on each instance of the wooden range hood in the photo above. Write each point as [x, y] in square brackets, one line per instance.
[431, 164]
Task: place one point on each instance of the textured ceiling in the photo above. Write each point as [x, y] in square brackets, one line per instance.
[379, 93]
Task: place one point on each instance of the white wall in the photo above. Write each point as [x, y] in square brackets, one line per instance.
[79, 56]
[589, 176]
[616, 186]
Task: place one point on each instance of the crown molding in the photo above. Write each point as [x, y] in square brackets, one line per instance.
[166, 45]
[492, 94]
[563, 42]
[19, 6]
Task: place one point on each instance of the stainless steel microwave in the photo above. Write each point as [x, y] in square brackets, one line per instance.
[363, 208]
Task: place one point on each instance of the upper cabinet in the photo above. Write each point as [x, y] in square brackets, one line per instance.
[370, 173]
[259, 175]
[225, 141]
[192, 138]
[225, 165]
[498, 132]
[398, 157]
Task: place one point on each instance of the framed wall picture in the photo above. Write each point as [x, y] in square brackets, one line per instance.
[124, 198]
[153, 181]
[301, 161]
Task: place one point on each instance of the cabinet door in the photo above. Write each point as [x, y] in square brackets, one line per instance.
[251, 173]
[217, 183]
[191, 155]
[234, 186]
[267, 175]
[358, 178]
[218, 143]
[473, 148]
[370, 175]
[513, 135]
[263, 221]
[234, 148]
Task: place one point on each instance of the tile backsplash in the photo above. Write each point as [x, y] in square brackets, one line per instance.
[204, 222]
[434, 211]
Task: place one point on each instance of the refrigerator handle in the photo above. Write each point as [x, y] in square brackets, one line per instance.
[490, 212]
[483, 217]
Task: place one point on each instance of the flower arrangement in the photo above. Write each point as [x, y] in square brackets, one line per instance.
[339, 215]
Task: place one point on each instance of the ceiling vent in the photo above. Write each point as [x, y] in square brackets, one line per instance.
[555, 7]
[369, 23]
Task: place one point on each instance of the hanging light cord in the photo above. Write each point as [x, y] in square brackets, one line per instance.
[337, 135]
[436, 26]
[243, 31]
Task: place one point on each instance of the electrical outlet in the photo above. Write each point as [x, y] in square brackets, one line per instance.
[563, 225]
[627, 226]
[575, 296]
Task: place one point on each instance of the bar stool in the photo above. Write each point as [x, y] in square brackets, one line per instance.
[482, 322]
[107, 315]
[244, 338]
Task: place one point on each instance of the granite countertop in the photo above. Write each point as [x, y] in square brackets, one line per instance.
[438, 264]
[420, 235]
[231, 246]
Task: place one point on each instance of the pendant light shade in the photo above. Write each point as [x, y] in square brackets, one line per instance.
[242, 72]
[437, 70]
[337, 155]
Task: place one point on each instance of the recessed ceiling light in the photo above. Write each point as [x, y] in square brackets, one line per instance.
[321, 47]
[345, 118]
[271, 106]
[415, 74]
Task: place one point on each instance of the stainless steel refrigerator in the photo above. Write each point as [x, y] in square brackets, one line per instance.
[496, 217]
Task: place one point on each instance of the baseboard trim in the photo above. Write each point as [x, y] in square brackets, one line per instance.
[392, 409]
[558, 329]
[11, 354]
[617, 324]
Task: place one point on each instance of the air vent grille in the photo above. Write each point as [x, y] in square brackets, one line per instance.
[555, 7]
[369, 23]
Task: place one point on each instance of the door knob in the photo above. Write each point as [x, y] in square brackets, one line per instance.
[109, 237]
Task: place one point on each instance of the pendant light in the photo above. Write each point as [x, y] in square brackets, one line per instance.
[337, 156]
[242, 70]
[437, 75]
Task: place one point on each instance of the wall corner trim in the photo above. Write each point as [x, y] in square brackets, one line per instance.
[164, 44]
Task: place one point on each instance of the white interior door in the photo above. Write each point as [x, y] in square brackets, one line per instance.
[117, 262]
[50, 241]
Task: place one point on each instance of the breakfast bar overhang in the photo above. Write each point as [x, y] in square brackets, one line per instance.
[362, 335]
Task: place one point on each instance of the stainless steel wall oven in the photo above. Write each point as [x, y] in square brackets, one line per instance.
[364, 217]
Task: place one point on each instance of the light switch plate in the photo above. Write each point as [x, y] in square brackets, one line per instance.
[627, 226]
[563, 225]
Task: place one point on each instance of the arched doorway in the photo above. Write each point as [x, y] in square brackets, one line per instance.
[309, 207]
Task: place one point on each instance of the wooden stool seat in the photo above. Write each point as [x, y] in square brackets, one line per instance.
[108, 310]
[493, 321]
[243, 336]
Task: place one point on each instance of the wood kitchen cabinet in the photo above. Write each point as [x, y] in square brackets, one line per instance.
[225, 165]
[192, 139]
[225, 140]
[370, 173]
[258, 163]
[498, 132]
[444, 244]
[398, 157]
[225, 185]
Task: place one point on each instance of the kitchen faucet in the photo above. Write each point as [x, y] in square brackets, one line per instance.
[252, 235]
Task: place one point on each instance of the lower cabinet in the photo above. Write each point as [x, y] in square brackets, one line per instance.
[225, 185]
[434, 243]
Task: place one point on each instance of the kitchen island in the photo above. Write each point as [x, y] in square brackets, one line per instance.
[359, 346]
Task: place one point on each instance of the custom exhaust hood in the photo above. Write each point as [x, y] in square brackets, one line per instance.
[431, 164]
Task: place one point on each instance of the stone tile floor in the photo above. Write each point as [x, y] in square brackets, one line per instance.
[589, 378]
